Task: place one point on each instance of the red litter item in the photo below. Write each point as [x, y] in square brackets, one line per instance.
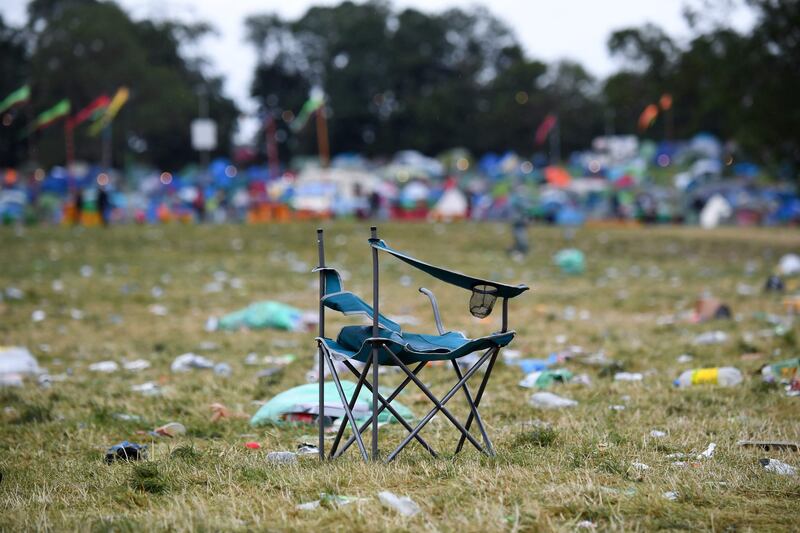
[252, 445]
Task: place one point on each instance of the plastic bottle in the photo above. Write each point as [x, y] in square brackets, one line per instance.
[725, 376]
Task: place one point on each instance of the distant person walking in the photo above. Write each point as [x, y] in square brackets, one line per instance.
[103, 205]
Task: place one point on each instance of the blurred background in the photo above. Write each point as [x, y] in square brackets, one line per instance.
[636, 112]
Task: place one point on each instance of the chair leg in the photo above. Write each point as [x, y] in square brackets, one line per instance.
[479, 396]
[374, 400]
[321, 413]
[439, 405]
[361, 379]
[386, 404]
[345, 404]
[474, 411]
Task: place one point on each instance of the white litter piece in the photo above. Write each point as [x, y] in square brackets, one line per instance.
[87, 271]
[158, 310]
[670, 495]
[585, 524]
[709, 452]
[640, 466]
[11, 380]
[778, 467]
[402, 504]
[38, 315]
[657, 434]
[17, 360]
[548, 400]
[136, 365]
[212, 323]
[14, 293]
[76, 314]
[628, 376]
[617, 407]
[710, 337]
[149, 388]
[106, 367]
[190, 361]
[789, 265]
[282, 457]
[684, 358]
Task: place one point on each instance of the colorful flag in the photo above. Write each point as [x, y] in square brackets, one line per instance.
[98, 104]
[20, 96]
[116, 103]
[545, 128]
[665, 102]
[648, 116]
[48, 117]
[311, 105]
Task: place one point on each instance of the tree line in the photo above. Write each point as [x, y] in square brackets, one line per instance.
[401, 78]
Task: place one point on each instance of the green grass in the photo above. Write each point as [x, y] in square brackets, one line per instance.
[553, 469]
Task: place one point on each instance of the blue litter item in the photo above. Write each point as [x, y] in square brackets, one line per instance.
[126, 451]
[536, 365]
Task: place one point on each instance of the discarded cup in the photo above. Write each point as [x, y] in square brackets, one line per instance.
[282, 457]
[173, 429]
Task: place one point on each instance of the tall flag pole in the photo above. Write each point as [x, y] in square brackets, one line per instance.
[272, 146]
[323, 144]
[94, 108]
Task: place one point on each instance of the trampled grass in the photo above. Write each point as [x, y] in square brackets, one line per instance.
[553, 470]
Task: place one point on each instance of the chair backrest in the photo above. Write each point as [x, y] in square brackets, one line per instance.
[347, 303]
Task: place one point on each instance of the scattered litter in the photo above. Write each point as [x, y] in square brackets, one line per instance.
[570, 261]
[684, 358]
[783, 371]
[617, 407]
[126, 451]
[86, 271]
[38, 315]
[149, 388]
[774, 284]
[710, 337]
[628, 376]
[402, 504]
[789, 265]
[76, 314]
[543, 379]
[304, 448]
[14, 293]
[223, 369]
[106, 367]
[548, 400]
[190, 361]
[17, 360]
[670, 495]
[252, 445]
[282, 457]
[708, 308]
[219, 411]
[640, 466]
[585, 524]
[136, 365]
[725, 376]
[778, 467]
[173, 429]
[158, 310]
[768, 445]
[709, 452]
[208, 346]
[266, 314]
[330, 500]
[126, 417]
[301, 404]
[657, 434]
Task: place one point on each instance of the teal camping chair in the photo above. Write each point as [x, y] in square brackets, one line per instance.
[385, 343]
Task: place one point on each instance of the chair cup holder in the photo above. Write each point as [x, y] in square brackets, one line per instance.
[482, 300]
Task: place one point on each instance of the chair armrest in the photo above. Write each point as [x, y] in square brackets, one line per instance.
[436, 316]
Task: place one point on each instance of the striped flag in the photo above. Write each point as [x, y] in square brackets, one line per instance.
[94, 108]
[311, 105]
[48, 117]
[116, 103]
[18, 97]
[545, 128]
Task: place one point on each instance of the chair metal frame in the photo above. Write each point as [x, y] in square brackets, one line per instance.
[379, 402]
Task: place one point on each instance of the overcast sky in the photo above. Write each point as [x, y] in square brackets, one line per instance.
[548, 30]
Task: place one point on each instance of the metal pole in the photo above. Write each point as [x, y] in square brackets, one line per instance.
[375, 314]
[321, 415]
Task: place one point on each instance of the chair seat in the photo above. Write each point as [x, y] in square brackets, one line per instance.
[411, 347]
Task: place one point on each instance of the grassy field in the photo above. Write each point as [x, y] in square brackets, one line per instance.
[579, 468]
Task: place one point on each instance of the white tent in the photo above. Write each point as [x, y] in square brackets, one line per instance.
[715, 211]
[452, 205]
